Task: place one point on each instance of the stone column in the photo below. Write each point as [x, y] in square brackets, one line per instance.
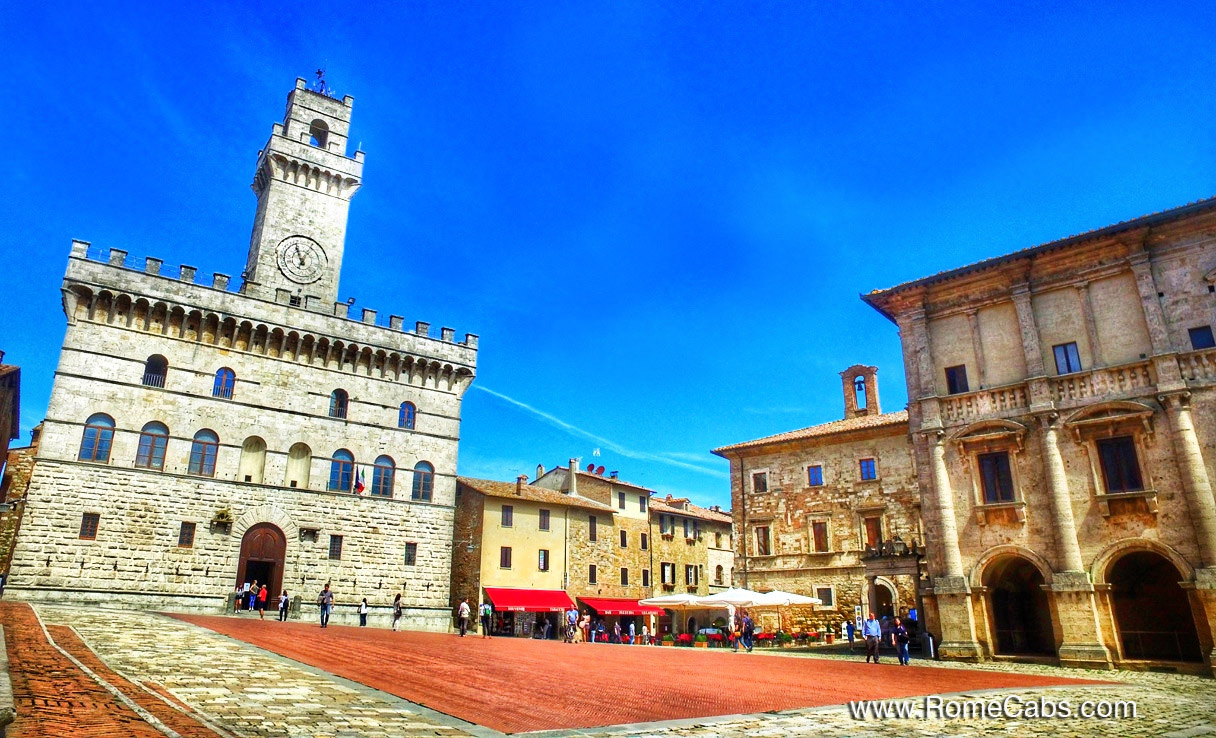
[1091, 328]
[1195, 482]
[1065, 528]
[1169, 376]
[1197, 487]
[943, 507]
[1029, 329]
[1076, 605]
[973, 320]
[950, 588]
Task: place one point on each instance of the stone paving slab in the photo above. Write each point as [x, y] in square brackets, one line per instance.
[249, 692]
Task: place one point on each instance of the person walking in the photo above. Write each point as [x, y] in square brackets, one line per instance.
[262, 595]
[616, 632]
[462, 616]
[900, 639]
[850, 630]
[645, 635]
[632, 632]
[749, 631]
[871, 630]
[396, 610]
[326, 601]
[486, 611]
[237, 598]
[284, 600]
[363, 613]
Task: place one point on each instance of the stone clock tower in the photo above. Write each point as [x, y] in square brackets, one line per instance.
[304, 182]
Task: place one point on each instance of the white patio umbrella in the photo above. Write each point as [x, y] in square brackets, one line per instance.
[777, 598]
[782, 600]
[683, 602]
[732, 597]
[672, 601]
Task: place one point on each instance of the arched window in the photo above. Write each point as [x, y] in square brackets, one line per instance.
[341, 471]
[382, 476]
[299, 465]
[156, 368]
[225, 380]
[98, 435]
[318, 134]
[407, 416]
[338, 401]
[153, 439]
[859, 389]
[253, 460]
[203, 452]
[424, 476]
[719, 574]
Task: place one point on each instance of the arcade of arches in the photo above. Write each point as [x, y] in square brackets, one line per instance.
[1149, 611]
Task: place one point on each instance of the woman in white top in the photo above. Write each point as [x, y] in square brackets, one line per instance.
[363, 613]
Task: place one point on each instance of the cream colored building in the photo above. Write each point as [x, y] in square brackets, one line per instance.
[1063, 414]
[512, 548]
[200, 436]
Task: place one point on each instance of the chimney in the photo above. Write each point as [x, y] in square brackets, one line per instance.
[573, 477]
[540, 470]
[520, 481]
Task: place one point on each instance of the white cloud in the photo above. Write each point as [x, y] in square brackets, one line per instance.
[670, 459]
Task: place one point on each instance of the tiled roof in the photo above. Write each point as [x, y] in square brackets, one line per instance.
[614, 480]
[690, 511]
[874, 297]
[826, 429]
[528, 492]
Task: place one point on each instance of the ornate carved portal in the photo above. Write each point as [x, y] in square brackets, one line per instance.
[263, 551]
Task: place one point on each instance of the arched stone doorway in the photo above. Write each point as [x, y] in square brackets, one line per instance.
[1021, 615]
[1152, 612]
[878, 596]
[263, 551]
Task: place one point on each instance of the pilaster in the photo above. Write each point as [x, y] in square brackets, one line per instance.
[1197, 487]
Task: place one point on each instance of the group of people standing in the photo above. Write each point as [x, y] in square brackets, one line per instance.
[325, 601]
[253, 596]
[871, 632]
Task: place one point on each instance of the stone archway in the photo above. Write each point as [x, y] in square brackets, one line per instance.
[1020, 616]
[1152, 612]
[263, 554]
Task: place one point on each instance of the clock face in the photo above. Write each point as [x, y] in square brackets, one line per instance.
[301, 259]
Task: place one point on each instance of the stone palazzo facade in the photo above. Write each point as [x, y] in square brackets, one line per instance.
[812, 505]
[1063, 417]
[199, 437]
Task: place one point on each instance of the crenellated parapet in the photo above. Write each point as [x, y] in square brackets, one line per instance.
[153, 307]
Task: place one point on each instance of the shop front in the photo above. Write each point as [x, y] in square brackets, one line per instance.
[523, 612]
[607, 612]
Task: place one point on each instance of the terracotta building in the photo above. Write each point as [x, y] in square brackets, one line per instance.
[811, 505]
[1063, 415]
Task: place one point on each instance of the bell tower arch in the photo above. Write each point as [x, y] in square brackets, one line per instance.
[304, 182]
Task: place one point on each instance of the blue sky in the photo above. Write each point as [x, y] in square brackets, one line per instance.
[658, 216]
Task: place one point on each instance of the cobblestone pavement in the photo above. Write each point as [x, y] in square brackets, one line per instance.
[235, 689]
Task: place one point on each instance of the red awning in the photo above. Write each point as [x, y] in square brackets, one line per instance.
[529, 600]
[611, 606]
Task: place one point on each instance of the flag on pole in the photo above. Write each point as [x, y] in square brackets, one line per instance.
[359, 481]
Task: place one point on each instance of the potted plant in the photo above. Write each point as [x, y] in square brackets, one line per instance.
[701, 641]
[684, 639]
[829, 636]
[222, 520]
[667, 640]
[785, 639]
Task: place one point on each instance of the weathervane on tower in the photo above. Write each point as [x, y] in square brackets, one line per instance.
[321, 86]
